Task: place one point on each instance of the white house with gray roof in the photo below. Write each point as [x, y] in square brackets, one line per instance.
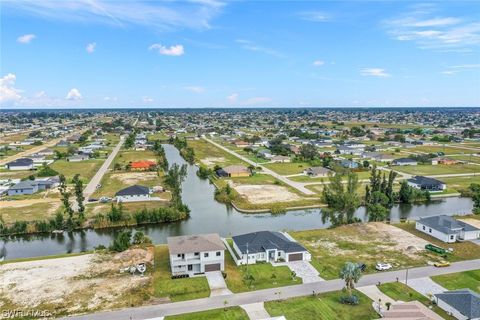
[447, 229]
[196, 254]
[463, 304]
[268, 246]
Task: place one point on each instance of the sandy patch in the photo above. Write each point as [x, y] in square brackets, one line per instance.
[472, 222]
[405, 241]
[131, 178]
[27, 202]
[212, 161]
[260, 194]
[72, 283]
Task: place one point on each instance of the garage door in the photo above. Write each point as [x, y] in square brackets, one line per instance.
[212, 267]
[295, 256]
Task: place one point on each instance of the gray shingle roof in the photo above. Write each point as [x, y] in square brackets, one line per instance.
[464, 301]
[20, 162]
[133, 190]
[425, 181]
[446, 224]
[265, 240]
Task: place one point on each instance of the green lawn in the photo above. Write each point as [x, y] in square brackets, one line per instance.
[288, 168]
[400, 292]
[461, 250]
[175, 289]
[86, 169]
[461, 183]
[332, 248]
[262, 273]
[232, 313]
[461, 280]
[210, 155]
[8, 174]
[467, 158]
[427, 170]
[322, 307]
[112, 182]
[35, 211]
[126, 156]
[434, 149]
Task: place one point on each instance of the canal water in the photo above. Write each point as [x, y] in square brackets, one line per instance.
[208, 216]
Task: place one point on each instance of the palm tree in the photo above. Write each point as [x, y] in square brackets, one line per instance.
[351, 273]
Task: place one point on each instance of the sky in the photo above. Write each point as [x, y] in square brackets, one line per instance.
[209, 53]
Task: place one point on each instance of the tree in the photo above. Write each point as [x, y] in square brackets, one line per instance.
[121, 241]
[350, 273]
[79, 196]
[341, 198]
[308, 151]
[475, 189]
[405, 195]
[66, 201]
[46, 171]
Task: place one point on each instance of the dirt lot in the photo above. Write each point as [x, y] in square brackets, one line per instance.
[72, 284]
[404, 241]
[131, 178]
[260, 194]
[212, 161]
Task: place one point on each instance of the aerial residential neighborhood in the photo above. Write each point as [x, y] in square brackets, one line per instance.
[239, 160]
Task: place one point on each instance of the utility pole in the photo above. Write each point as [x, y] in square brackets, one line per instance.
[247, 257]
[406, 277]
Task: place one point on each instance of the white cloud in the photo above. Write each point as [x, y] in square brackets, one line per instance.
[435, 32]
[73, 94]
[314, 16]
[176, 50]
[318, 63]
[250, 46]
[195, 89]
[91, 47]
[374, 72]
[164, 15]
[233, 98]
[148, 100]
[458, 68]
[26, 38]
[8, 93]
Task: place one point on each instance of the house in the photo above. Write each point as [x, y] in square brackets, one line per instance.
[268, 246]
[20, 164]
[349, 164]
[233, 171]
[133, 193]
[63, 143]
[424, 183]
[383, 158]
[317, 172]
[266, 154]
[241, 143]
[349, 150]
[142, 165]
[294, 149]
[23, 187]
[404, 162]
[445, 161]
[280, 159]
[447, 229]
[78, 157]
[412, 310]
[46, 152]
[196, 254]
[462, 304]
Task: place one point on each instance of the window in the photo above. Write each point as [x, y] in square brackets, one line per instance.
[205, 254]
[279, 253]
[219, 253]
[179, 255]
[196, 254]
[424, 228]
[451, 237]
[190, 267]
[430, 230]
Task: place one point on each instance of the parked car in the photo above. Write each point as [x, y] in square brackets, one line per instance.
[105, 199]
[383, 266]
[362, 266]
[441, 264]
[98, 186]
[92, 200]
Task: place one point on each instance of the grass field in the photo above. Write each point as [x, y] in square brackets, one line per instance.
[461, 183]
[428, 170]
[461, 250]
[401, 292]
[112, 182]
[126, 156]
[233, 313]
[92, 209]
[332, 248]
[175, 289]
[288, 168]
[322, 307]
[461, 280]
[34, 211]
[434, 149]
[474, 159]
[8, 174]
[86, 169]
[262, 273]
[209, 155]
[361, 176]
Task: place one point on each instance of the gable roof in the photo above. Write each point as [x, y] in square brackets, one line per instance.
[26, 184]
[20, 162]
[424, 181]
[464, 301]
[318, 170]
[264, 240]
[446, 224]
[133, 191]
[405, 160]
[195, 243]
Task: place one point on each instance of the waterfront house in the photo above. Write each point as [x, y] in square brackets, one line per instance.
[133, 194]
[268, 246]
[234, 171]
[462, 304]
[425, 183]
[142, 165]
[447, 229]
[196, 254]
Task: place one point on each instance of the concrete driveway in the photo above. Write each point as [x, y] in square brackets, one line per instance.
[255, 311]
[425, 286]
[303, 269]
[217, 284]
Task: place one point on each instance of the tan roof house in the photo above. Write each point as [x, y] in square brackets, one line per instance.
[237, 171]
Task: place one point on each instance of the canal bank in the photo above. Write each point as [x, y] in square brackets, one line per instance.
[206, 216]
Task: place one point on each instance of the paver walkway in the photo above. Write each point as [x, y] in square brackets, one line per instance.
[255, 311]
[425, 286]
[217, 284]
[303, 269]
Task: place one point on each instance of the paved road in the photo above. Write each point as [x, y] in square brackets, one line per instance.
[297, 185]
[153, 311]
[92, 185]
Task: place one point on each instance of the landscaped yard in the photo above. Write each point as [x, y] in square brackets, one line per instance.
[233, 313]
[400, 292]
[461, 280]
[461, 250]
[367, 243]
[86, 169]
[175, 289]
[428, 170]
[262, 276]
[322, 307]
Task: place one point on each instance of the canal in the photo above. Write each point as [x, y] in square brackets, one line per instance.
[208, 216]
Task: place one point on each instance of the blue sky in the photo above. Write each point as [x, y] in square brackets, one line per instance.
[209, 53]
